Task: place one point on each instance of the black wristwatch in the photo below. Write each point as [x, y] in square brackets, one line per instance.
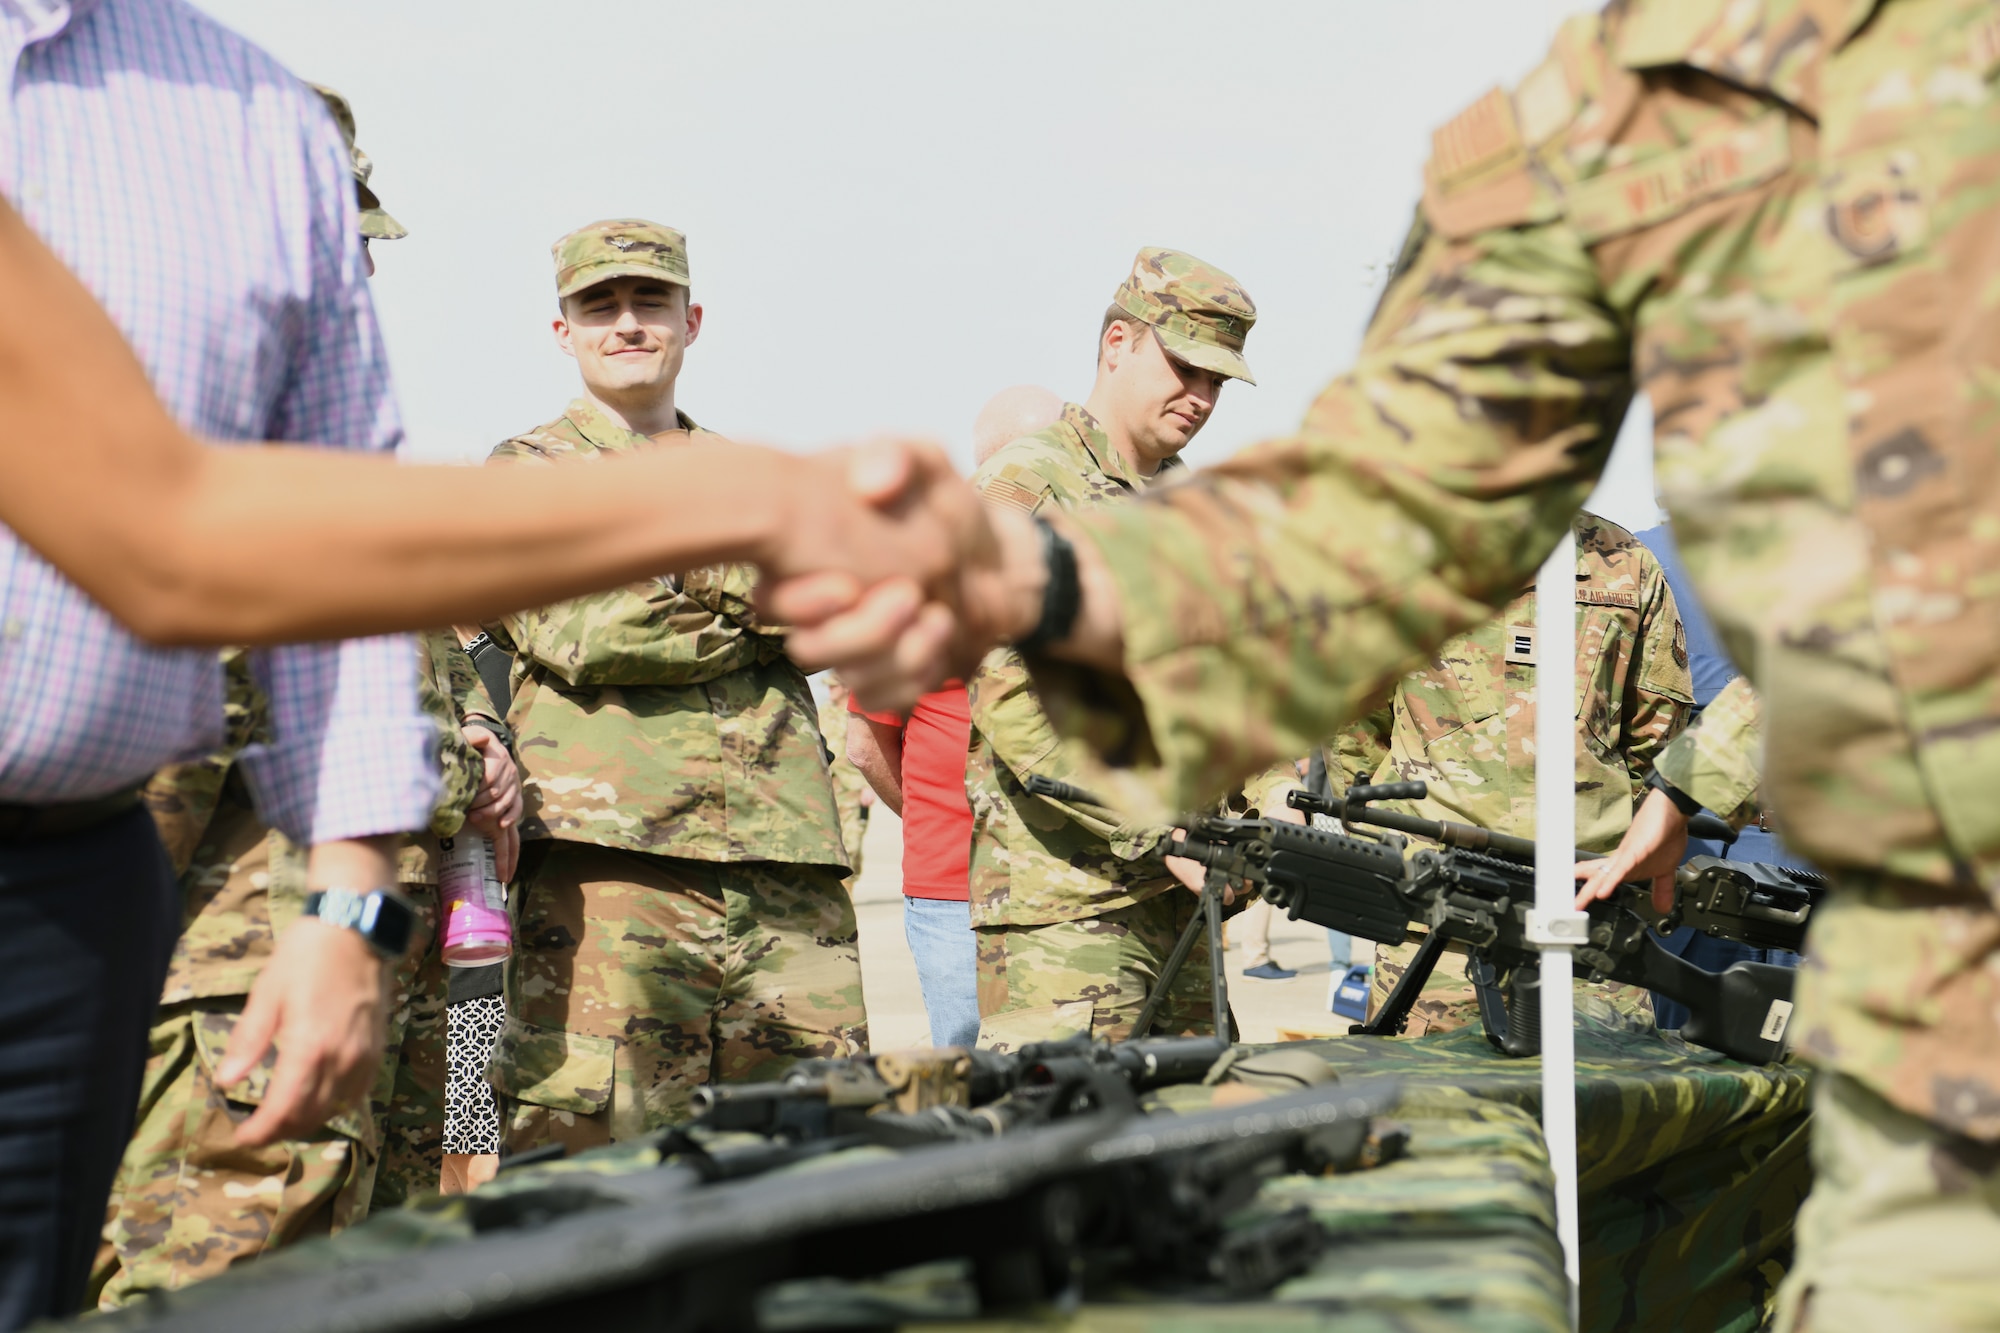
[1686, 804]
[1063, 596]
[383, 917]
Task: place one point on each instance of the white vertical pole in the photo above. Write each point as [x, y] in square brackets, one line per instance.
[1555, 924]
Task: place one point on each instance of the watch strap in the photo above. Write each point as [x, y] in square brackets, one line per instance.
[383, 917]
[1062, 597]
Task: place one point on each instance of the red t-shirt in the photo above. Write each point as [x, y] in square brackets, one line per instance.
[937, 821]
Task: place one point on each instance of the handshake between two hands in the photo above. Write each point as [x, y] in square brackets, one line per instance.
[885, 565]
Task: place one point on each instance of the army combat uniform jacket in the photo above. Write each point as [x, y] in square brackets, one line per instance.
[1034, 860]
[1465, 724]
[662, 717]
[1773, 218]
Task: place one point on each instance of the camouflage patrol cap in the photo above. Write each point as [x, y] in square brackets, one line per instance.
[376, 224]
[619, 248]
[1203, 315]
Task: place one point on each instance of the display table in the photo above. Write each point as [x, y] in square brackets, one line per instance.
[1692, 1170]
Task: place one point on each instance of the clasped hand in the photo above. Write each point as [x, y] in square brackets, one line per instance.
[885, 564]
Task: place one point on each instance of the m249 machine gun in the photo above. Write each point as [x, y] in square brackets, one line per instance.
[1476, 888]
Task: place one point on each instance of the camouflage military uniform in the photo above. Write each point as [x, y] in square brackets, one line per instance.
[850, 788]
[680, 917]
[1716, 760]
[1073, 915]
[1771, 216]
[188, 1202]
[1465, 726]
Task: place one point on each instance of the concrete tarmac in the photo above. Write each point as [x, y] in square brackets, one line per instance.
[1265, 1010]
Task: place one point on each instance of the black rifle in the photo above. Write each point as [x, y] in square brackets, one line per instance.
[1476, 888]
[1207, 920]
[903, 1098]
[1055, 1212]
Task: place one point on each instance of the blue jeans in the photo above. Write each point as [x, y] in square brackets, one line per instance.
[940, 934]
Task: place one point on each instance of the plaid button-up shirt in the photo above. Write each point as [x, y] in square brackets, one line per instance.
[201, 192]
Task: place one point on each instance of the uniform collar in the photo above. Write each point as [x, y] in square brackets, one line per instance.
[1078, 421]
[606, 435]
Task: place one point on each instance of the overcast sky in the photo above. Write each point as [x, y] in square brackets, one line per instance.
[893, 209]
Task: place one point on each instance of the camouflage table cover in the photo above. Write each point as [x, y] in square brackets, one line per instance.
[1692, 1169]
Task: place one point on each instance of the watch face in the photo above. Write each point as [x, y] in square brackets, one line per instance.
[386, 921]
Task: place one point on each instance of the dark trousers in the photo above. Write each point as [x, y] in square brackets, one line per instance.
[87, 922]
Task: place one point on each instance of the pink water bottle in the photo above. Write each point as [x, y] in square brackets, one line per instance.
[476, 928]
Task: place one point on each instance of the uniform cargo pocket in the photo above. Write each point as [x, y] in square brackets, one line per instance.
[212, 1029]
[563, 1071]
[1015, 1028]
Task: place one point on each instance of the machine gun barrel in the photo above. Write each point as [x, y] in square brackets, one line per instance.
[1057, 790]
[1356, 808]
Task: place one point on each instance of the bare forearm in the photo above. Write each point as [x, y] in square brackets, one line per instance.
[878, 752]
[362, 546]
[355, 863]
[189, 543]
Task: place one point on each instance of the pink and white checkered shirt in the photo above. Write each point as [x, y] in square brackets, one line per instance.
[201, 192]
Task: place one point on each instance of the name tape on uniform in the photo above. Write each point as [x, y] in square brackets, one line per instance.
[1654, 190]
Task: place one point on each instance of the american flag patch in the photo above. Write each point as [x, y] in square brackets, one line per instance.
[1477, 138]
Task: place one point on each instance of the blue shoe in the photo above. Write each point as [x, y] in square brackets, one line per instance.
[1269, 972]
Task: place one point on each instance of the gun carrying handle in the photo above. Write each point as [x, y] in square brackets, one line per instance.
[1387, 791]
[1778, 915]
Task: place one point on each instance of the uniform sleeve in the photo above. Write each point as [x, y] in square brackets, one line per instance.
[1716, 760]
[461, 767]
[351, 754]
[1267, 790]
[1359, 751]
[1268, 600]
[1659, 691]
[1008, 715]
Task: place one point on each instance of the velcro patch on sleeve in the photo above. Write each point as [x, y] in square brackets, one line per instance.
[1480, 139]
[1479, 176]
[1664, 186]
[1016, 488]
